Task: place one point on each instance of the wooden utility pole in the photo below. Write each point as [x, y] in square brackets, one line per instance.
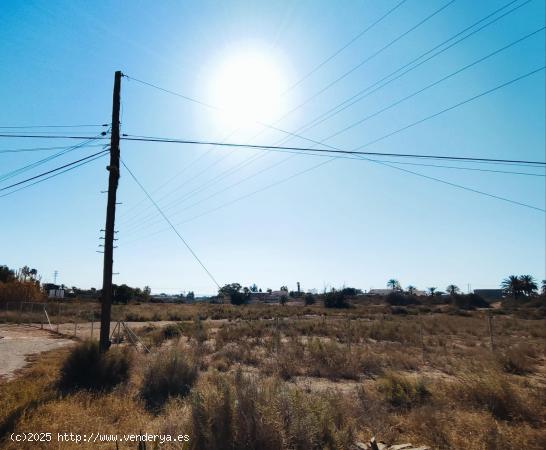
[113, 178]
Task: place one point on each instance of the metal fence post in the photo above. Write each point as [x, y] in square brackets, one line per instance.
[490, 323]
[422, 338]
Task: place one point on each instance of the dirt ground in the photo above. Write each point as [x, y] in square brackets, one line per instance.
[18, 342]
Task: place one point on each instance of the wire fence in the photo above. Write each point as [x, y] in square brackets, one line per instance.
[67, 320]
[63, 319]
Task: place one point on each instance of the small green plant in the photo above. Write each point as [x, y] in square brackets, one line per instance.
[87, 368]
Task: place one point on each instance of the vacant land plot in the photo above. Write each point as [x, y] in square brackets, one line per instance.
[274, 377]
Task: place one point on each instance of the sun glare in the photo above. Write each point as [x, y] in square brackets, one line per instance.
[248, 87]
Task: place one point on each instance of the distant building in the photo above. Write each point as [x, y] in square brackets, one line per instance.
[53, 290]
[489, 294]
[419, 293]
[267, 297]
[259, 296]
[380, 291]
[165, 298]
[385, 292]
[55, 293]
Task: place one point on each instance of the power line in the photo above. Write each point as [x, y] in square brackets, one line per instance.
[39, 149]
[44, 160]
[170, 223]
[314, 122]
[369, 58]
[443, 111]
[135, 220]
[316, 68]
[55, 126]
[316, 166]
[334, 150]
[276, 183]
[435, 83]
[46, 136]
[194, 177]
[208, 184]
[216, 108]
[54, 175]
[381, 83]
[184, 169]
[147, 219]
[508, 172]
[322, 117]
[53, 170]
[338, 51]
[464, 102]
[476, 191]
[136, 224]
[129, 137]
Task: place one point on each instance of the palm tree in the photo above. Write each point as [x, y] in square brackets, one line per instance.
[528, 284]
[452, 289]
[512, 286]
[431, 290]
[543, 287]
[394, 284]
[411, 289]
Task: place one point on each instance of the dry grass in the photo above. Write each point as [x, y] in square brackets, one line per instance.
[231, 379]
[170, 374]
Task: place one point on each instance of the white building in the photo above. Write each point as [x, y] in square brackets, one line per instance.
[385, 292]
[55, 293]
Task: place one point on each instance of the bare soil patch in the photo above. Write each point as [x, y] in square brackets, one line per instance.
[19, 342]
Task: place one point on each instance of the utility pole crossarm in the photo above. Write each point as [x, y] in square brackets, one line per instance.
[113, 178]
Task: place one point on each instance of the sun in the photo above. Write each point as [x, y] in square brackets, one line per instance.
[248, 87]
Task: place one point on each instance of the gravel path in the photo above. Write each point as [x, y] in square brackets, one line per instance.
[18, 342]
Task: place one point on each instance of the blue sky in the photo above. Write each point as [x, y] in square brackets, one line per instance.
[347, 222]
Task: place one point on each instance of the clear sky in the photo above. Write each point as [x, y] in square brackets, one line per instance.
[348, 221]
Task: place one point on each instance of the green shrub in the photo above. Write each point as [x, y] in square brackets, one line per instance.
[170, 374]
[87, 368]
[335, 299]
[399, 310]
[309, 299]
[469, 301]
[171, 331]
[199, 331]
[135, 317]
[401, 391]
[331, 360]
